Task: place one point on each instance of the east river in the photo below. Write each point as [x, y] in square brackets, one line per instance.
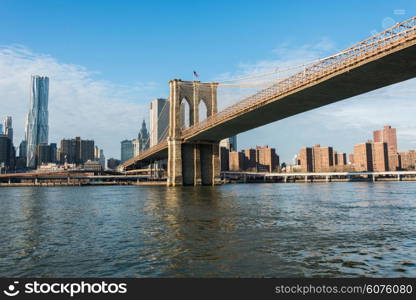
[235, 230]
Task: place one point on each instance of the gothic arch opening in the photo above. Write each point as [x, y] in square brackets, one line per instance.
[203, 110]
[185, 112]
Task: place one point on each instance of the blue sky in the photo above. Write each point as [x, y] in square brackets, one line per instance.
[127, 51]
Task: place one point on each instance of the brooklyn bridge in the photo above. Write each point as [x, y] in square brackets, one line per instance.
[192, 153]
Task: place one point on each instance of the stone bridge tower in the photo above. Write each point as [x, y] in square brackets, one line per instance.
[191, 163]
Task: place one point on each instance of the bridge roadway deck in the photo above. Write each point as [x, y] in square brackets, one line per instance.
[376, 73]
[379, 67]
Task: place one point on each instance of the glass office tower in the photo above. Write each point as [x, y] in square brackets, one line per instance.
[37, 120]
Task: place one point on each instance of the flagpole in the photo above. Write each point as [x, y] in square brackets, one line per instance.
[195, 75]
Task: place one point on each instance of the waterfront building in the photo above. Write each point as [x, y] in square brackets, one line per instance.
[6, 152]
[340, 159]
[267, 159]
[76, 151]
[394, 162]
[86, 150]
[351, 158]
[113, 163]
[53, 153]
[93, 165]
[67, 151]
[408, 160]
[323, 158]
[236, 161]
[380, 157]
[46, 154]
[43, 154]
[387, 135]
[159, 120]
[306, 159]
[127, 150]
[363, 157]
[1, 129]
[250, 159]
[224, 159]
[340, 162]
[37, 119]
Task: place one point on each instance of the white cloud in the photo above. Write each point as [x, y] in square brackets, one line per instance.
[79, 104]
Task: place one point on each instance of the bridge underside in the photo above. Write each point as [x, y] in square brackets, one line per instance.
[144, 162]
[377, 73]
[390, 69]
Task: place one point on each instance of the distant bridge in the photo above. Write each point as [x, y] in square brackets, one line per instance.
[193, 154]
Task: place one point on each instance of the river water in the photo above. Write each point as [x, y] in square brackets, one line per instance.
[236, 230]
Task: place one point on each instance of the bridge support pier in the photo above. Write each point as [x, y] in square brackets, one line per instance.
[193, 163]
[174, 162]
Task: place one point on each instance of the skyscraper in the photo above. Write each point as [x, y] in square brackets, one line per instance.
[37, 120]
[229, 143]
[127, 150]
[233, 143]
[380, 157]
[387, 135]
[8, 129]
[5, 151]
[267, 159]
[23, 149]
[363, 157]
[76, 151]
[144, 137]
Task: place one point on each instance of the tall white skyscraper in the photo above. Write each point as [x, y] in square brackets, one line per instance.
[37, 119]
[159, 120]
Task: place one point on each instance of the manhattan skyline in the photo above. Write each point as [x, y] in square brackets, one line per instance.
[106, 98]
